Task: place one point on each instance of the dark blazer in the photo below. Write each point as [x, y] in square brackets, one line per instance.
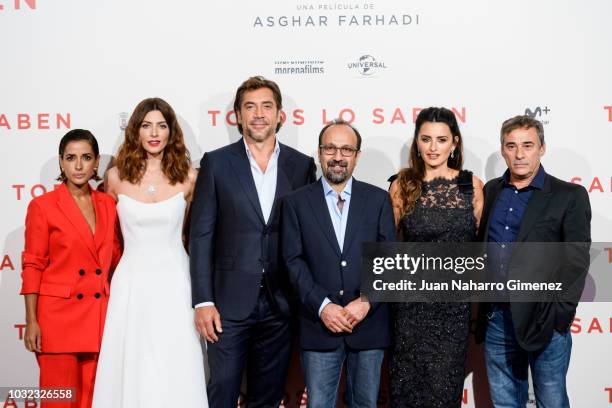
[68, 267]
[230, 245]
[317, 269]
[559, 212]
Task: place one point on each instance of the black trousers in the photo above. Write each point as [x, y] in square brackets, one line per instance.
[262, 342]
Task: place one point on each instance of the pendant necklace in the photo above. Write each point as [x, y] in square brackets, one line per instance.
[151, 189]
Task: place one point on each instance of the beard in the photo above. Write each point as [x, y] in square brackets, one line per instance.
[337, 178]
[259, 136]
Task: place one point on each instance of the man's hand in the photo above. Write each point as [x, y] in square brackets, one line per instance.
[335, 318]
[357, 310]
[207, 319]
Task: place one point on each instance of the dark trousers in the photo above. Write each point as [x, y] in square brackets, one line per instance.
[262, 342]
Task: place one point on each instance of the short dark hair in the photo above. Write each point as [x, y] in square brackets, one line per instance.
[339, 121]
[76, 135]
[522, 122]
[253, 84]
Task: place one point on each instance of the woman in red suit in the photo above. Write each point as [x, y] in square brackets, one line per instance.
[71, 247]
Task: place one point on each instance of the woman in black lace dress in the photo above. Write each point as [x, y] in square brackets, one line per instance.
[434, 200]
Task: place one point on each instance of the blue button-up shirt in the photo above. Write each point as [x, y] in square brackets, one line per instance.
[507, 217]
[338, 218]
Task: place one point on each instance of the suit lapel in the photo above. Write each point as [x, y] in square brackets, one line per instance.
[489, 204]
[317, 202]
[242, 168]
[356, 208]
[101, 221]
[68, 206]
[537, 203]
[284, 173]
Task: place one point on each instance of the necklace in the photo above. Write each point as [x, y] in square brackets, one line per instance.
[151, 189]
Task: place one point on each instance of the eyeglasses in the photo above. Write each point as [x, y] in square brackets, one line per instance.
[331, 150]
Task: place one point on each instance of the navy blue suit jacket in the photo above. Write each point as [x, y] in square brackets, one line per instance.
[318, 269]
[231, 247]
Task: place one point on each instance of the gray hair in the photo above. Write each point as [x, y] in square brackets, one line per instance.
[521, 122]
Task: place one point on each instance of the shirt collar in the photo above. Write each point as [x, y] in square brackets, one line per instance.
[537, 182]
[274, 153]
[327, 188]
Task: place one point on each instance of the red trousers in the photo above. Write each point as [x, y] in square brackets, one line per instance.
[62, 371]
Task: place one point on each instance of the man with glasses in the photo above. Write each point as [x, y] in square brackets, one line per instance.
[323, 226]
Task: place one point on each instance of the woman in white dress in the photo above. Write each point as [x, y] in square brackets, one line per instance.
[151, 354]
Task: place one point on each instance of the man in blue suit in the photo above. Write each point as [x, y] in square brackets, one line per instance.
[238, 289]
[323, 226]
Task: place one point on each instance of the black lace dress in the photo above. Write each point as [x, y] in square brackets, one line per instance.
[430, 339]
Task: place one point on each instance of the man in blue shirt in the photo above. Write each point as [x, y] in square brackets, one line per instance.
[528, 205]
[323, 226]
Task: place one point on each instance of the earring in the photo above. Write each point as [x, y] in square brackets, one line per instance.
[452, 153]
[418, 153]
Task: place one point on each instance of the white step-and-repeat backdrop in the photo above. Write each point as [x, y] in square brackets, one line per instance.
[85, 64]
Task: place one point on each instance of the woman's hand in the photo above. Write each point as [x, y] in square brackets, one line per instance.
[33, 337]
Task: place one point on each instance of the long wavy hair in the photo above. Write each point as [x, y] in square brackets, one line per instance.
[132, 157]
[410, 179]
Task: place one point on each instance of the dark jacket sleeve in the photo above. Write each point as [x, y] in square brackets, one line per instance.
[310, 294]
[202, 234]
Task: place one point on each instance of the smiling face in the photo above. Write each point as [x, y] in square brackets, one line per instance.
[522, 152]
[259, 115]
[154, 133]
[435, 143]
[78, 163]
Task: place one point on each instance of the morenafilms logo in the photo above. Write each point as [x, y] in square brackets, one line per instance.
[17, 5]
[319, 15]
[367, 66]
[299, 66]
[35, 121]
[540, 113]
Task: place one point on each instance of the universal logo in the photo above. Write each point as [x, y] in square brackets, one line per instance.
[299, 67]
[539, 113]
[367, 66]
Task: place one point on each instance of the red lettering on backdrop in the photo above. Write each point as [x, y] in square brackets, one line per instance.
[576, 180]
[283, 117]
[324, 117]
[3, 120]
[10, 403]
[63, 120]
[351, 115]
[214, 114]
[31, 4]
[30, 403]
[298, 117]
[18, 187]
[43, 121]
[7, 263]
[21, 328]
[378, 117]
[465, 396]
[37, 187]
[609, 251]
[23, 121]
[609, 389]
[415, 113]
[595, 326]
[230, 118]
[398, 115]
[459, 114]
[609, 109]
[596, 184]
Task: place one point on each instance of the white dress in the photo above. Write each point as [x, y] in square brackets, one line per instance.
[151, 354]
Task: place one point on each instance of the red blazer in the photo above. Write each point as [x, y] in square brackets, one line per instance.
[68, 267]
